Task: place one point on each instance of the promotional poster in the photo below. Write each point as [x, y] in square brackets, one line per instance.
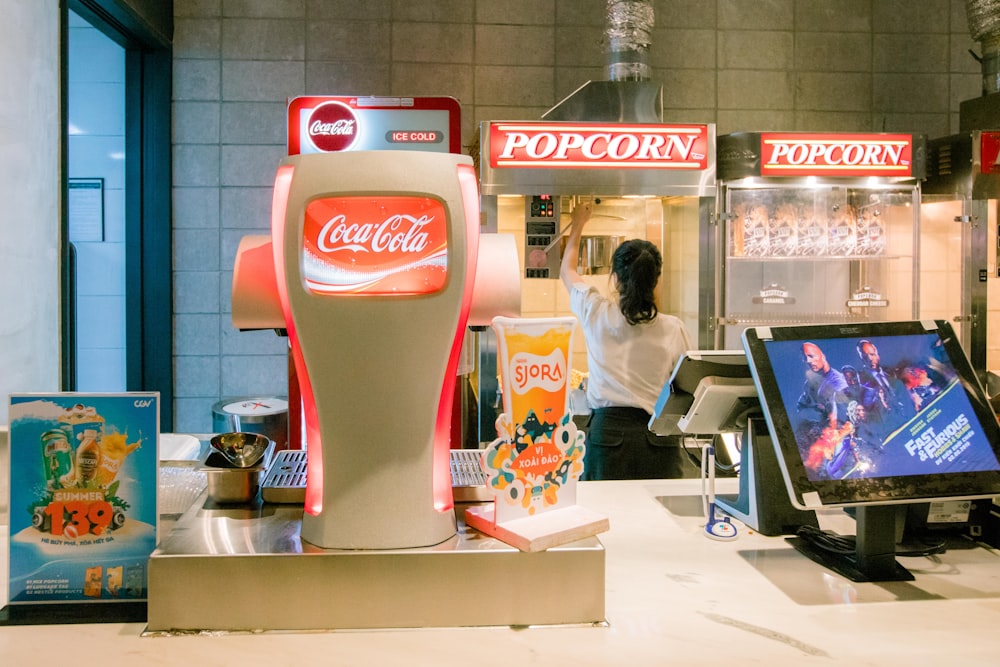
[83, 488]
[534, 465]
[878, 407]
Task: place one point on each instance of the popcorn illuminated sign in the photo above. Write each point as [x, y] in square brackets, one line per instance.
[798, 154]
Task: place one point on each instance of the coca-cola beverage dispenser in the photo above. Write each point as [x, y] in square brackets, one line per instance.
[370, 267]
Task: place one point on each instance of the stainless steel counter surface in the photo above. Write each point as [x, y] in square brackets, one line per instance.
[672, 597]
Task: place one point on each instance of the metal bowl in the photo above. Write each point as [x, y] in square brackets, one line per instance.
[243, 450]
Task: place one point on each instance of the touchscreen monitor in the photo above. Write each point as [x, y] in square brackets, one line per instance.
[874, 413]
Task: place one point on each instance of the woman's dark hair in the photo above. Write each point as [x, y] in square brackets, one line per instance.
[636, 265]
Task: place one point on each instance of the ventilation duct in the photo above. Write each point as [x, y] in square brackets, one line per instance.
[984, 26]
[627, 96]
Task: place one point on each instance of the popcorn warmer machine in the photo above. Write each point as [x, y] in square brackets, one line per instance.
[816, 228]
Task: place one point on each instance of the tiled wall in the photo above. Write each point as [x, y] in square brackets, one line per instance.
[837, 65]
[97, 151]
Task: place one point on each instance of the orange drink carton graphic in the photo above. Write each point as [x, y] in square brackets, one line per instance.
[537, 458]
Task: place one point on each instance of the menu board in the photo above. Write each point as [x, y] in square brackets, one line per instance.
[83, 483]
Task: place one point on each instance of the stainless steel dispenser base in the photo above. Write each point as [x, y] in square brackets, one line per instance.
[246, 569]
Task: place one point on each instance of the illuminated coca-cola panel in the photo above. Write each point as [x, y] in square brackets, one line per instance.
[375, 245]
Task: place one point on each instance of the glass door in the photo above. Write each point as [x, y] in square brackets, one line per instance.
[96, 206]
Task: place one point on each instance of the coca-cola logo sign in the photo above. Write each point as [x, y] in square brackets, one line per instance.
[375, 245]
[332, 127]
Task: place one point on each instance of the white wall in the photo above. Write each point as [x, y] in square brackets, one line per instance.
[29, 198]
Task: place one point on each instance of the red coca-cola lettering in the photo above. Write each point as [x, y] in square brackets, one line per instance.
[836, 154]
[375, 245]
[398, 233]
[332, 127]
[592, 145]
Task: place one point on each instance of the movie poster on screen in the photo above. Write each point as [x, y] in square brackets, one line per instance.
[83, 482]
[878, 407]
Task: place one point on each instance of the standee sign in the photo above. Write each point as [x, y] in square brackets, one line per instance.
[799, 154]
[598, 146]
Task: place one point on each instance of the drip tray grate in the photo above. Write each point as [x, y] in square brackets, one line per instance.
[285, 481]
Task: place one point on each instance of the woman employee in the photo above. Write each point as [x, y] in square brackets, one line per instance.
[631, 350]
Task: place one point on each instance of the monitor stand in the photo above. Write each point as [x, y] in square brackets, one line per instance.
[762, 502]
[874, 557]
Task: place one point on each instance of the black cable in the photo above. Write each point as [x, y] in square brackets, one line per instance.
[847, 544]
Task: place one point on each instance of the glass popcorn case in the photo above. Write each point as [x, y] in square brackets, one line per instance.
[816, 228]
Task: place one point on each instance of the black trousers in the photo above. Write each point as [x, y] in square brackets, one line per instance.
[621, 446]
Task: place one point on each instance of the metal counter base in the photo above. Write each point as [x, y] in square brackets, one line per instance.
[246, 569]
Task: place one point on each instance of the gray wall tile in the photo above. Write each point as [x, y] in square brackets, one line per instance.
[911, 16]
[839, 15]
[757, 15]
[255, 375]
[263, 39]
[534, 85]
[686, 14]
[195, 122]
[264, 8]
[198, 37]
[251, 165]
[194, 415]
[196, 79]
[516, 12]
[758, 49]
[197, 334]
[833, 51]
[197, 375]
[248, 208]
[689, 89]
[432, 80]
[579, 46]
[751, 120]
[197, 8]
[912, 93]
[195, 208]
[196, 292]
[342, 40]
[682, 48]
[822, 91]
[435, 11]
[753, 89]
[349, 9]
[261, 81]
[344, 78]
[580, 12]
[195, 164]
[196, 249]
[910, 53]
[432, 42]
[253, 123]
[515, 45]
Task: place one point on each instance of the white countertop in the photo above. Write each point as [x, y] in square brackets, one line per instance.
[673, 597]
